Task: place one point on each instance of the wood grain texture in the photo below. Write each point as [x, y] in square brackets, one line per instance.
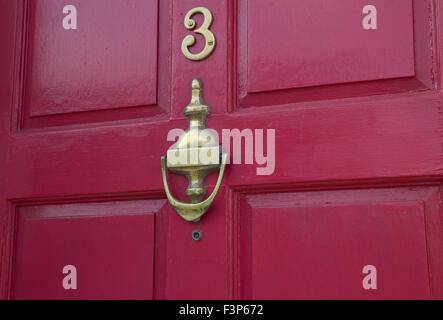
[112, 234]
[8, 59]
[384, 138]
[99, 103]
[320, 241]
[109, 61]
[320, 252]
[319, 42]
[421, 53]
[198, 269]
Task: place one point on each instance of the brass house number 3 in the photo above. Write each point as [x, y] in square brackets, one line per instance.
[203, 30]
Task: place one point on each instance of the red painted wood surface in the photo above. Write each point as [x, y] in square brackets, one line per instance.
[320, 241]
[359, 165]
[96, 66]
[319, 42]
[113, 257]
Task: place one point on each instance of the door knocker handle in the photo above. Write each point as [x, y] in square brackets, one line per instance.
[195, 155]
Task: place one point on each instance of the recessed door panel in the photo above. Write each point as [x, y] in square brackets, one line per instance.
[108, 61]
[335, 245]
[110, 245]
[320, 42]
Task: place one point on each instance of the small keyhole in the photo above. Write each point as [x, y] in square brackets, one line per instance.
[196, 235]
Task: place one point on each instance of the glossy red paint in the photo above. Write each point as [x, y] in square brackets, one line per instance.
[101, 255]
[320, 241]
[322, 43]
[359, 153]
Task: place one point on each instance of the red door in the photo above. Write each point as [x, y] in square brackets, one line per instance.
[338, 199]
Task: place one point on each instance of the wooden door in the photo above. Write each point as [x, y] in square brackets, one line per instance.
[343, 98]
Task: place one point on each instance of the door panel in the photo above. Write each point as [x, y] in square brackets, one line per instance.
[105, 70]
[109, 61]
[113, 234]
[319, 42]
[326, 53]
[320, 242]
[321, 252]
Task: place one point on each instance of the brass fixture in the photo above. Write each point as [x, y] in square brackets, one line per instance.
[196, 154]
[189, 40]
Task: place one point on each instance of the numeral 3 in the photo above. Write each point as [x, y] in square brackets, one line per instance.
[203, 30]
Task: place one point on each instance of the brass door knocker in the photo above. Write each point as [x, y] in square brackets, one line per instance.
[195, 155]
